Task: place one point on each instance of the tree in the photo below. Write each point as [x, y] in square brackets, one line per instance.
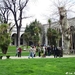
[4, 38]
[49, 34]
[68, 5]
[36, 36]
[27, 37]
[33, 31]
[4, 14]
[52, 36]
[16, 7]
[63, 10]
[49, 21]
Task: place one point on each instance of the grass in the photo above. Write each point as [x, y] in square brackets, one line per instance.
[12, 51]
[43, 66]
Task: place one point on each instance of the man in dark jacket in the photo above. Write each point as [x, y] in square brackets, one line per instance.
[55, 49]
[49, 50]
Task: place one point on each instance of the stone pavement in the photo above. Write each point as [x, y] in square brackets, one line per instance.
[26, 57]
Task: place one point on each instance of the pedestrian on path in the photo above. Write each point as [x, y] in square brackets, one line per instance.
[31, 50]
[39, 51]
[34, 50]
[19, 51]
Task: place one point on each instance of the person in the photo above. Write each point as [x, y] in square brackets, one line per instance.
[49, 50]
[19, 51]
[34, 50]
[39, 51]
[55, 51]
[31, 50]
[44, 51]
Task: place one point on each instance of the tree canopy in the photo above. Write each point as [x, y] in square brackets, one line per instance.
[52, 36]
[4, 38]
[16, 7]
[32, 31]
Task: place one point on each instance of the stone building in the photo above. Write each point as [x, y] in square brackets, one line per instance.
[13, 36]
[57, 26]
[54, 25]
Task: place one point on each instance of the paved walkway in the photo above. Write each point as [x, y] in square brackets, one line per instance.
[26, 57]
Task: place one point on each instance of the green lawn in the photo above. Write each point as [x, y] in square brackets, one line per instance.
[43, 66]
[12, 51]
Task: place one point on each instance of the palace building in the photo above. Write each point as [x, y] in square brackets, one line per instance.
[54, 25]
[57, 26]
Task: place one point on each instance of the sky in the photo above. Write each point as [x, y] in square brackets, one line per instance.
[37, 10]
[42, 10]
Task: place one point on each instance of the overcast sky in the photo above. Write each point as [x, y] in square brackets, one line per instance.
[42, 10]
[38, 10]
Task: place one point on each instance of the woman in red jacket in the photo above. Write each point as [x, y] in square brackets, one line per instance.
[19, 51]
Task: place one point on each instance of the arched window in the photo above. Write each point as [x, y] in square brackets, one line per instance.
[22, 39]
[13, 37]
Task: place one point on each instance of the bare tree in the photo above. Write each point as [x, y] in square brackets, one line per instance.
[69, 6]
[64, 29]
[4, 13]
[61, 9]
[4, 16]
[16, 7]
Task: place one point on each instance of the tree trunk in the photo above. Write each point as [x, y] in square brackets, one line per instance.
[64, 27]
[18, 37]
[4, 49]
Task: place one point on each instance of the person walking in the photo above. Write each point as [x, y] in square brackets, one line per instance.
[31, 50]
[49, 50]
[44, 51]
[19, 51]
[39, 51]
[34, 50]
[54, 51]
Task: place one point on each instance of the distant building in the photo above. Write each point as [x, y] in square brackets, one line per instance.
[13, 36]
[54, 25]
[57, 26]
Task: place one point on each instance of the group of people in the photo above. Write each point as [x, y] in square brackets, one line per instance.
[32, 51]
[46, 51]
[56, 51]
[42, 51]
[52, 50]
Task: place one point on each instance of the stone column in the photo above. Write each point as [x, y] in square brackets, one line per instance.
[46, 40]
